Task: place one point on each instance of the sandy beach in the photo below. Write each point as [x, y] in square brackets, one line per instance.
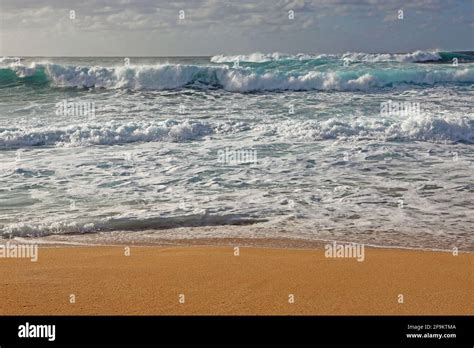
[209, 280]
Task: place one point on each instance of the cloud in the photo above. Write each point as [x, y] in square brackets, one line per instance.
[254, 21]
[159, 14]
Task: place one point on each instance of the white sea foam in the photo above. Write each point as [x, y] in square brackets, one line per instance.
[414, 127]
[104, 134]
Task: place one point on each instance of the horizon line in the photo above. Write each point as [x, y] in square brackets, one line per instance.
[211, 55]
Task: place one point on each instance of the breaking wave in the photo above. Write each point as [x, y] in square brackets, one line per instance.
[173, 76]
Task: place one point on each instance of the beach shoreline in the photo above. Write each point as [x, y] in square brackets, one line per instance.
[263, 235]
[235, 279]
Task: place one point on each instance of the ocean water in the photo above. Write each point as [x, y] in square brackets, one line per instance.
[367, 148]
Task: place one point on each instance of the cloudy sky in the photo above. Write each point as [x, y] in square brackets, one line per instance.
[154, 27]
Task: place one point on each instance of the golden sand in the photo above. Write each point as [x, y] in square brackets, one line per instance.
[153, 280]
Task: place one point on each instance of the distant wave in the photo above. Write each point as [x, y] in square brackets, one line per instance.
[417, 56]
[9, 60]
[104, 134]
[262, 57]
[172, 76]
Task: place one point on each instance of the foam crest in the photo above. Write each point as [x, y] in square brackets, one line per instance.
[412, 128]
[259, 57]
[244, 79]
[417, 56]
[172, 76]
[104, 134]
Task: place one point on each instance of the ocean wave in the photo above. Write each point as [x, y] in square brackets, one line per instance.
[24, 71]
[258, 57]
[120, 223]
[342, 81]
[9, 60]
[412, 128]
[157, 77]
[417, 56]
[414, 57]
[109, 133]
[172, 76]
